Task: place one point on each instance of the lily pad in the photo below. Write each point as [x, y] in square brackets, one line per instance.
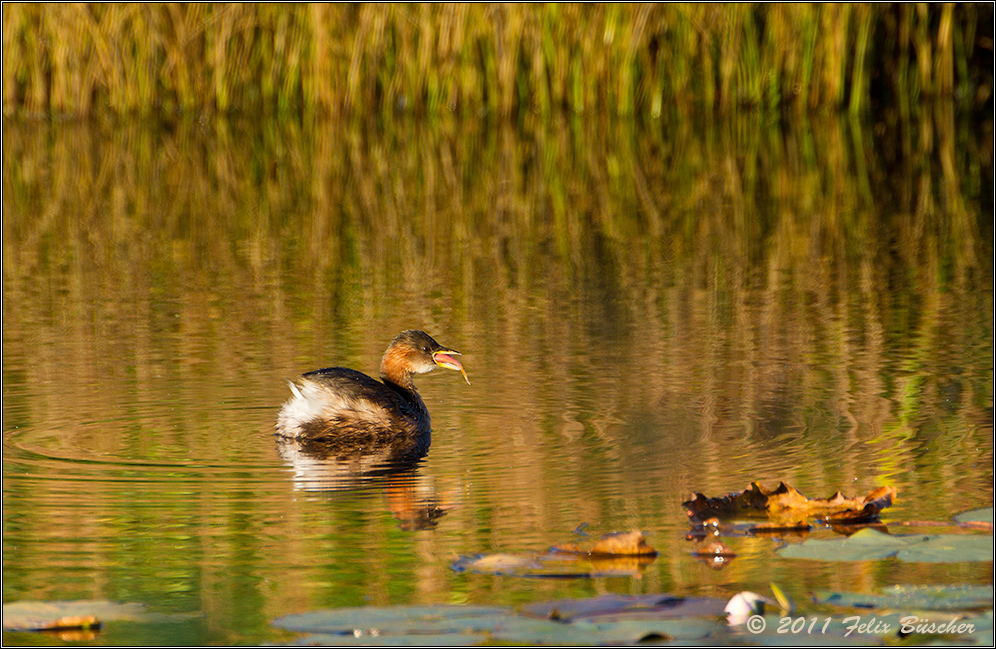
[984, 515]
[949, 548]
[395, 620]
[468, 625]
[907, 598]
[631, 631]
[530, 631]
[614, 607]
[982, 624]
[585, 633]
[611, 619]
[870, 544]
[413, 640]
[617, 619]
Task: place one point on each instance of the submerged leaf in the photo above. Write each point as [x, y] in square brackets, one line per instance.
[789, 508]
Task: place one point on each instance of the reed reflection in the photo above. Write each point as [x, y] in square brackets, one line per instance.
[729, 258]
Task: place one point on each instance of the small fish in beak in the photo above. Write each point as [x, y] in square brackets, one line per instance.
[444, 358]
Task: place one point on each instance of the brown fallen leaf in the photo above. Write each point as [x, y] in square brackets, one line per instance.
[714, 549]
[557, 564]
[79, 620]
[789, 508]
[616, 544]
[714, 554]
[67, 623]
[623, 553]
[864, 511]
[785, 525]
[623, 543]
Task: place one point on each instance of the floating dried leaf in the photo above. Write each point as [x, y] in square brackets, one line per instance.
[625, 553]
[623, 543]
[788, 508]
[714, 549]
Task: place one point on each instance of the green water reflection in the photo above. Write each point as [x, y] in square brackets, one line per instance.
[645, 310]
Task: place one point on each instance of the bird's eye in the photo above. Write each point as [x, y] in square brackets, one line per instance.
[425, 349]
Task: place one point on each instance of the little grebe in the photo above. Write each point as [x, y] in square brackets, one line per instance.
[345, 406]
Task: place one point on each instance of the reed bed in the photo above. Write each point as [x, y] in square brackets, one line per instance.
[73, 59]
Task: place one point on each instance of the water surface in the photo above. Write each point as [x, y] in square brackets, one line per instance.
[645, 310]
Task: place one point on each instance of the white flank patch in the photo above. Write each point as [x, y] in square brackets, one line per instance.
[312, 401]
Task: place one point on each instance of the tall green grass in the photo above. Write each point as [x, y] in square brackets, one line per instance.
[627, 59]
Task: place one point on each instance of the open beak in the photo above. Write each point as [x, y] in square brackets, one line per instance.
[444, 358]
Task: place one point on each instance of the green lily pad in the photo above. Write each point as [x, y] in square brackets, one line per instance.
[545, 632]
[529, 631]
[908, 598]
[982, 633]
[949, 548]
[394, 620]
[865, 545]
[468, 625]
[606, 607]
[984, 515]
[613, 620]
[626, 631]
[869, 544]
[413, 640]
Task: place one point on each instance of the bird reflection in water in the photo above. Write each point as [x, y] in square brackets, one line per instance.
[411, 495]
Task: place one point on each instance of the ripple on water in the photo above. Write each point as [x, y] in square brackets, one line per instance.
[181, 443]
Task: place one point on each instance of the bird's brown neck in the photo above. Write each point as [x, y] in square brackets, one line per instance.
[394, 368]
[399, 378]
